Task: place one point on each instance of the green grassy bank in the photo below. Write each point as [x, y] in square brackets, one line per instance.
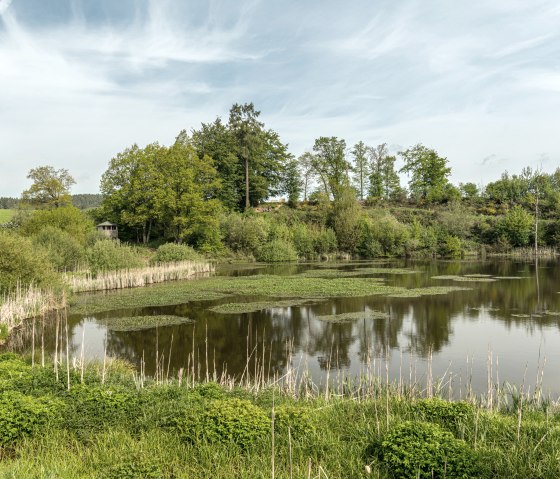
[111, 423]
[6, 215]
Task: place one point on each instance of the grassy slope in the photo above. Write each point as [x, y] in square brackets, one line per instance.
[118, 430]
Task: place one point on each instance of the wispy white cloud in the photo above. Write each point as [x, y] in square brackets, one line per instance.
[471, 80]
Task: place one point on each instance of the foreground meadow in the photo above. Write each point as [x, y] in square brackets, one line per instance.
[106, 421]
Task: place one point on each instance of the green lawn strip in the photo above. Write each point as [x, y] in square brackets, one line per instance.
[6, 216]
[137, 323]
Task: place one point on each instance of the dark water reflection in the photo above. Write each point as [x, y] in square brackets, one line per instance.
[509, 320]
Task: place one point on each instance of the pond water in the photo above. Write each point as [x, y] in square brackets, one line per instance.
[497, 320]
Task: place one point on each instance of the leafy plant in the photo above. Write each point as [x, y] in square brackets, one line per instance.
[172, 252]
[110, 255]
[22, 415]
[424, 450]
[448, 414]
[276, 251]
[229, 420]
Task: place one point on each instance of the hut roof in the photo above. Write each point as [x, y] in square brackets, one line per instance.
[106, 223]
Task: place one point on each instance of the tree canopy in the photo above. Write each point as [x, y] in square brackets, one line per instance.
[50, 188]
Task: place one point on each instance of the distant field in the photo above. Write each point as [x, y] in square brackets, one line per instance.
[6, 215]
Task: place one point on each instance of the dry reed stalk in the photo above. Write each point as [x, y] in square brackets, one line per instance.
[28, 302]
[138, 277]
[105, 359]
[56, 347]
[82, 354]
[272, 430]
[67, 355]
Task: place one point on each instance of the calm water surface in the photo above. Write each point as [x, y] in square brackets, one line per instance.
[510, 323]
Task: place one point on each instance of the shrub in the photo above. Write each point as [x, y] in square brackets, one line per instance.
[450, 247]
[325, 242]
[92, 407]
[368, 246]
[172, 252]
[382, 236]
[516, 226]
[297, 418]
[22, 263]
[14, 373]
[244, 233]
[22, 416]
[224, 420]
[303, 238]
[276, 251]
[133, 469]
[68, 219]
[424, 450]
[111, 255]
[345, 219]
[449, 414]
[64, 251]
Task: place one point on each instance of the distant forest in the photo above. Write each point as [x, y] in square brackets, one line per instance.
[83, 201]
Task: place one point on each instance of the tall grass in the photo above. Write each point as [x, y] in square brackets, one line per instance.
[26, 303]
[137, 277]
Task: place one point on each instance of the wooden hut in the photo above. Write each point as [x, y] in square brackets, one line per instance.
[108, 229]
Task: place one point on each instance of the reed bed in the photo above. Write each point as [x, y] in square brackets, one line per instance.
[138, 277]
[529, 252]
[24, 303]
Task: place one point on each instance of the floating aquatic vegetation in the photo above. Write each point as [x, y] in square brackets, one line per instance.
[430, 291]
[466, 279]
[160, 295]
[349, 317]
[239, 308]
[511, 277]
[477, 275]
[482, 308]
[386, 271]
[218, 287]
[521, 315]
[137, 323]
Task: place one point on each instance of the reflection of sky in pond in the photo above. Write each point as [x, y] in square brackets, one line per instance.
[458, 330]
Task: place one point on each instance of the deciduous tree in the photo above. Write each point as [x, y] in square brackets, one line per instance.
[50, 188]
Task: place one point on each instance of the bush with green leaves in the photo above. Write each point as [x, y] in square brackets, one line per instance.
[68, 218]
[450, 247]
[424, 450]
[516, 226]
[92, 407]
[110, 255]
[134, 469]
[449, 414]
[65, 252]
[230, 420]
[295, 417]
[23, 264]
[244, 233]
[325, 242]
[22, 416]
[277, 251]
[173, 252]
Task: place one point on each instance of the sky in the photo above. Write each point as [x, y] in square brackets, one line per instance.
[478, 81]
